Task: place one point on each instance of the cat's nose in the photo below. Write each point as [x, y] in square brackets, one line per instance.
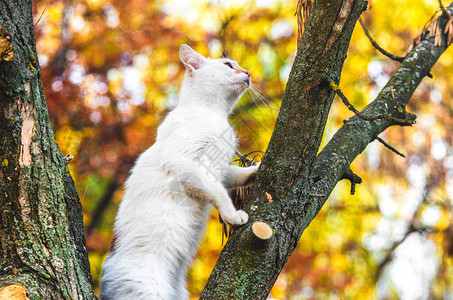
[247, 72]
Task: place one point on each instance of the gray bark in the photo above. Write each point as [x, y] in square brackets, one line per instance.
[41, 235]
[291, 172]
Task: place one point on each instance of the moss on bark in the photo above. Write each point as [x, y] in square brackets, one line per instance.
[42, 239]
[291, 172]
[286, 167]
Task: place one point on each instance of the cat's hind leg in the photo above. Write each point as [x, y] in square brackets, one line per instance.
[131, 281]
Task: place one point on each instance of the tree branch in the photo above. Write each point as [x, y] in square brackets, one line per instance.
[290, 170]
[411, 229]
[242, 272]
[353, 137]
[103, 203]
[376, 45]
[384, 116]
[389, 147]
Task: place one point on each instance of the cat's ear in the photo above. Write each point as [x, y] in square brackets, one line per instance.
[191, 59]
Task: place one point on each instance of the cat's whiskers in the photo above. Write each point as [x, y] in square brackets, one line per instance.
[254, 93]
[240, 86]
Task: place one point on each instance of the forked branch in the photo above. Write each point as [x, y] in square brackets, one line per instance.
[351, 107]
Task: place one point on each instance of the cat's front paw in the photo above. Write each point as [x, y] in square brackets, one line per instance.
[239, 217]
[254, 169]
[252, 173]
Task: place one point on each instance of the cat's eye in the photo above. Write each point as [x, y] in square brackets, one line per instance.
[229, 65]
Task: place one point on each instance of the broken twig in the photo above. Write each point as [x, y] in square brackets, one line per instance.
[39, 19]
[376, 45]
[389, 147]
[245, 160]
[442, 7]
[353, 178]
[68, 158]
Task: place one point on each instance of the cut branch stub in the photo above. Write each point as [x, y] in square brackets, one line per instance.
[353, 178]
[261, 235]
[68, 158]
[14, 291]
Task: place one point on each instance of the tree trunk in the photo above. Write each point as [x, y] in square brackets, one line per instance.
[42, 237]
[293, 183]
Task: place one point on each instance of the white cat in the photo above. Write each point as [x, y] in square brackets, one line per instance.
[167, 196]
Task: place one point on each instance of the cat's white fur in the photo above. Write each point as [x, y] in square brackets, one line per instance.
[170, 189]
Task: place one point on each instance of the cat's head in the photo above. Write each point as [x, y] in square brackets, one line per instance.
[221, 78]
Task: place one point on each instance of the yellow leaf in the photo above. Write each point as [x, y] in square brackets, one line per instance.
[269, 197]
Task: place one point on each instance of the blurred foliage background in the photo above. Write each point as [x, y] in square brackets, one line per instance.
[111, 71]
